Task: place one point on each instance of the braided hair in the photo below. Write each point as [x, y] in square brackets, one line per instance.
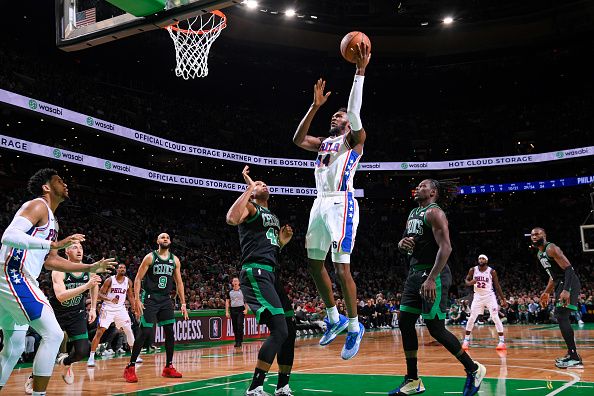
[447, 189]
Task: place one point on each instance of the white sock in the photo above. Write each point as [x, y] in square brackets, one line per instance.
[354, 325]
[501, 339]
[467, 337]
[332, 314]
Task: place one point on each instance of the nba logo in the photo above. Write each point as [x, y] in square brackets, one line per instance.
[215, 326]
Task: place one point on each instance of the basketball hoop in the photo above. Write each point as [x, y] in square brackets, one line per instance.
[192, 42]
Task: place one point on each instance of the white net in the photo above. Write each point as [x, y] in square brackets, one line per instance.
[192, 39]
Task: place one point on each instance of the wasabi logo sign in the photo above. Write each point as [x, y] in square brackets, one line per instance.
[57, 153]
[108, 165]
[90, 121]
[99, 124]
[559, 154]
[117, 167]
[33, 104]
[404, 165]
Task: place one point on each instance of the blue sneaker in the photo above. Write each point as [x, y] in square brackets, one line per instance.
[474, 380]
[408, 387]
[351, 345]
[332, 330]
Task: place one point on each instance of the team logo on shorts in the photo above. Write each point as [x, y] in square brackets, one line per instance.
[215, 326]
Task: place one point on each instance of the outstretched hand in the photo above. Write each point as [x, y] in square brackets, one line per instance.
[319, 96]
[247, 178]
[286, 233]
[362, 55]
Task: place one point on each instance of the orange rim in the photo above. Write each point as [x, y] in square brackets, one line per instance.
[221, 26]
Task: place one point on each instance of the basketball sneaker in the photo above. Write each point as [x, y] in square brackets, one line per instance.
[570, 362]
[68, 375]
[91, 361]
[408, 387]
[258, 391]
[130, 374]
[284, 391]
[562, 358]
[170, 372]
[139, 360]
[29, 385]
[332, 330]
[501, 346]
[351, 345]
[474, 380]
[465, 345]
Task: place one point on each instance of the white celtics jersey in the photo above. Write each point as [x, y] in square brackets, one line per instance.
[484, 281]
[117, 290]
[336, 165]
[29, 262]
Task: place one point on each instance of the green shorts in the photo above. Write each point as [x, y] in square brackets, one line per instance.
[74, 323]
[157, 309]
[414, 303]
[263, 292]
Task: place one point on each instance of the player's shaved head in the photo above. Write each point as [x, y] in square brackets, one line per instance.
[539, 229]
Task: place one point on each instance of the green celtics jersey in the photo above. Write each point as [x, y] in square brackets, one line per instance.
[550, 265]
[159, 277]
[76, 303]
[258, 238]
[417, 227]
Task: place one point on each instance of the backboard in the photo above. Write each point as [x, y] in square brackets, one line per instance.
[82, 24]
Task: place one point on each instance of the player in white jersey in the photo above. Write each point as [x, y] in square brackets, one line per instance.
[28, 244]
[334, 215]
[113, 293]
[484, 279]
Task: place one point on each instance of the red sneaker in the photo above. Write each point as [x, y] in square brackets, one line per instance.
[130, 374]
[170, 372]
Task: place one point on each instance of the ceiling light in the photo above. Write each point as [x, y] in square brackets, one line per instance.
[448, 20]
[251, 3]
[290, 12]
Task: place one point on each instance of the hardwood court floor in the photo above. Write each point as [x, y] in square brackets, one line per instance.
[527, 368]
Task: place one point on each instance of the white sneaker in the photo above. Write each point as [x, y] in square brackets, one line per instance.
[139, 360]
[29, 385]
[121, 351]
[284, 391]
[61, 355]
[580, 322]
[109, 352]
[259, 391]
[68, 376]
[91, 361]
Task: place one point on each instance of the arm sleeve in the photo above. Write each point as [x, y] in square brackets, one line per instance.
[570, 279]
[16, 236]
[355, 101]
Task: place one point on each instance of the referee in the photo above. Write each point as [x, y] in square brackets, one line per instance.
[236, 308]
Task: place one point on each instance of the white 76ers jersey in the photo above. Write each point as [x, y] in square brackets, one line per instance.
[117, 290]
[29, 262]
[484, 281]
[336, 165]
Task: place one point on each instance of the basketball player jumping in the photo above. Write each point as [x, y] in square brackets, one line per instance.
[484, 279]
[261, 239]
[426, 242]
[161, 268]
[68, 302]
[113, 293]
[334, 215]
[28, 244]
[566, 284]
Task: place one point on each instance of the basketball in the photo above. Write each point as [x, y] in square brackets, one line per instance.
[348, 44]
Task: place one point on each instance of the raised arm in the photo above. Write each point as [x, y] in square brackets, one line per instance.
[469, 281]
[53, 262]
[498, 288]
[63, 294]
[32, 214]
[242, 207]
[301, 138]
[179, 286]
[357, 135]
[441, 233]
